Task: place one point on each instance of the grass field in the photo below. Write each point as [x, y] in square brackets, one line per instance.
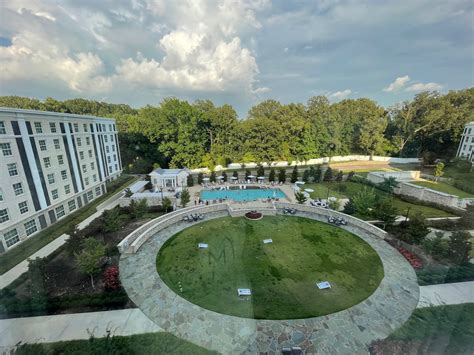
[443, 187]
[348, 189]
[36, 242]
[153, 343]
[281, 275]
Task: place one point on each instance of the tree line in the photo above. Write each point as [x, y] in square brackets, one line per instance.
[177, 133]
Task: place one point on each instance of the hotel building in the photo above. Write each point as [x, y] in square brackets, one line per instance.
[466, 146]
[51, 164]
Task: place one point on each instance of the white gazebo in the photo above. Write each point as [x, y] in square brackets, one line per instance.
[169, 178]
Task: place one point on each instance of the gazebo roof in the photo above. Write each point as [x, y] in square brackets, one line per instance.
[167, 172]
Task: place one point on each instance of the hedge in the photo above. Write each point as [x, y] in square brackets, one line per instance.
[443, 274]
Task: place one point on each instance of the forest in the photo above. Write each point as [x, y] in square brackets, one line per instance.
[178, 133]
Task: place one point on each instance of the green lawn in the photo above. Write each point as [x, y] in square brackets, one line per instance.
[152, 343]
[434, 330]
[35, 243]
[348, 189]
[443, 187]
[281, 275]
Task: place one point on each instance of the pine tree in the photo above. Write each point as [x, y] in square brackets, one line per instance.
[294, 174]
[328, 175]
[282, 175]
[271, 176]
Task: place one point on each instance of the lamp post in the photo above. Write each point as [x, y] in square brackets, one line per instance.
[161, 190]
[408, 211]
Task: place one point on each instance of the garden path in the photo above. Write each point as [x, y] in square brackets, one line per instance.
[446, 294]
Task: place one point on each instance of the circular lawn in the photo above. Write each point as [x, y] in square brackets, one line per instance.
[282, 275]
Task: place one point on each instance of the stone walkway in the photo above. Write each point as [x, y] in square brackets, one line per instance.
[446, 294]
[19, 269]
[344, 332]
[49, 329]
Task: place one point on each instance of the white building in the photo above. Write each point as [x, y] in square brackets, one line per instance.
[169, 178]
[466, 146]
[51, 164]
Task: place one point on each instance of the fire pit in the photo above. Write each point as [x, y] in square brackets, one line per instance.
[254, 215]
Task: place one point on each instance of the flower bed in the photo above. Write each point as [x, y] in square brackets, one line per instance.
[253, 215]
[414, 260]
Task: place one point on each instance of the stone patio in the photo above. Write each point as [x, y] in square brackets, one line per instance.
[345, 332]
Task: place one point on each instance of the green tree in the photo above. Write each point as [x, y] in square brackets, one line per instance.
[334, 204]
[415, 229]
[89, 259]
[38, 280]
[294, 174]
[213, 176]
[439, 170]
[111, 220]
[459, 247]
[189, 180]
[306, 175]
[388, 184]
[339, 176]
[260, 170]
[350, 175]
[247, 174]
[385, 212]
[73, 243]
[467, 219]
[300, 197]
[364, 200]
[224, 175]
[317, 174]
[436, 246]
[349, 207]
[235, 174]
[138, 208]
[185, 197]
[200, 177]
[281, 175]
[271, 176]
[166, 204]
[328, 175]
[128, 193]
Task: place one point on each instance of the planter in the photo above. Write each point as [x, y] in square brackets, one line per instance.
[253, 215]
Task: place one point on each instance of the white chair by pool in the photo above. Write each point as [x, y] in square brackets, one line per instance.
[323, 285]
[244, 292]
[203, 246]
[267, 241]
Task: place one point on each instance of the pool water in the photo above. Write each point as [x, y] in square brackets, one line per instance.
[241, 195]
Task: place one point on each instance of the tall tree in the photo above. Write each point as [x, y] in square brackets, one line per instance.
[89, 259]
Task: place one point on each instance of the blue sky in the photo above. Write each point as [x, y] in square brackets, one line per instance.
[238, 52]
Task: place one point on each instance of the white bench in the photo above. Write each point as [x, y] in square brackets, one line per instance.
[244, 292]
[323, 285]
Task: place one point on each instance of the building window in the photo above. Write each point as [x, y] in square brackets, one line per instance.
[52, 127]
[51, 178]
[18, 188]
[113, 148]
[90, 153]
[105, 139]
[42, 144]
[86, 180]
[94, 177]
[30, 227]
[78, 140]
[54, 194]
[469, 131]
[116, 167]
[71, 205]
[110, 169]
[115, 157]
[23, 206]
[98, 191]
[1, 196]
[11, 237]
[3, 130]
[38, 127]
[90, 196]
[12, 169]
[85, 127]
[81, 155]
[76, 127]
[4, 215]
[88, 140]
[60, 212]
[103, 127]
[92, 166]
[107, 149]
[110, 127]
[47, 162]
[111, 137]
[6, 149]
[60, 160]
[109, 160]
[56, 144]
[84, 168]
[67, 189]
[64, 174]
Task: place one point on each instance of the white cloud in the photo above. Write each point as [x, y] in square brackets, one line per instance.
[424, 87]
[398, 84]
[339, 95]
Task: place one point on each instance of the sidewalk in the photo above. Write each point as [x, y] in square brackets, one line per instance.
[446, 294]
[15, 272]
[48, 329]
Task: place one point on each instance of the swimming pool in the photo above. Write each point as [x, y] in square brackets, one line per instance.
[241, 195]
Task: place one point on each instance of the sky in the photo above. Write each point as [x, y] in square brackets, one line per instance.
[239, 52]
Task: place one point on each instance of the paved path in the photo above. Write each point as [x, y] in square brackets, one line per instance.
[48, 329]
[446, 294]
[15, 272]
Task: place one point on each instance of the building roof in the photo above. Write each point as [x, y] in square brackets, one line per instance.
[49, 113]
[168, 172]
